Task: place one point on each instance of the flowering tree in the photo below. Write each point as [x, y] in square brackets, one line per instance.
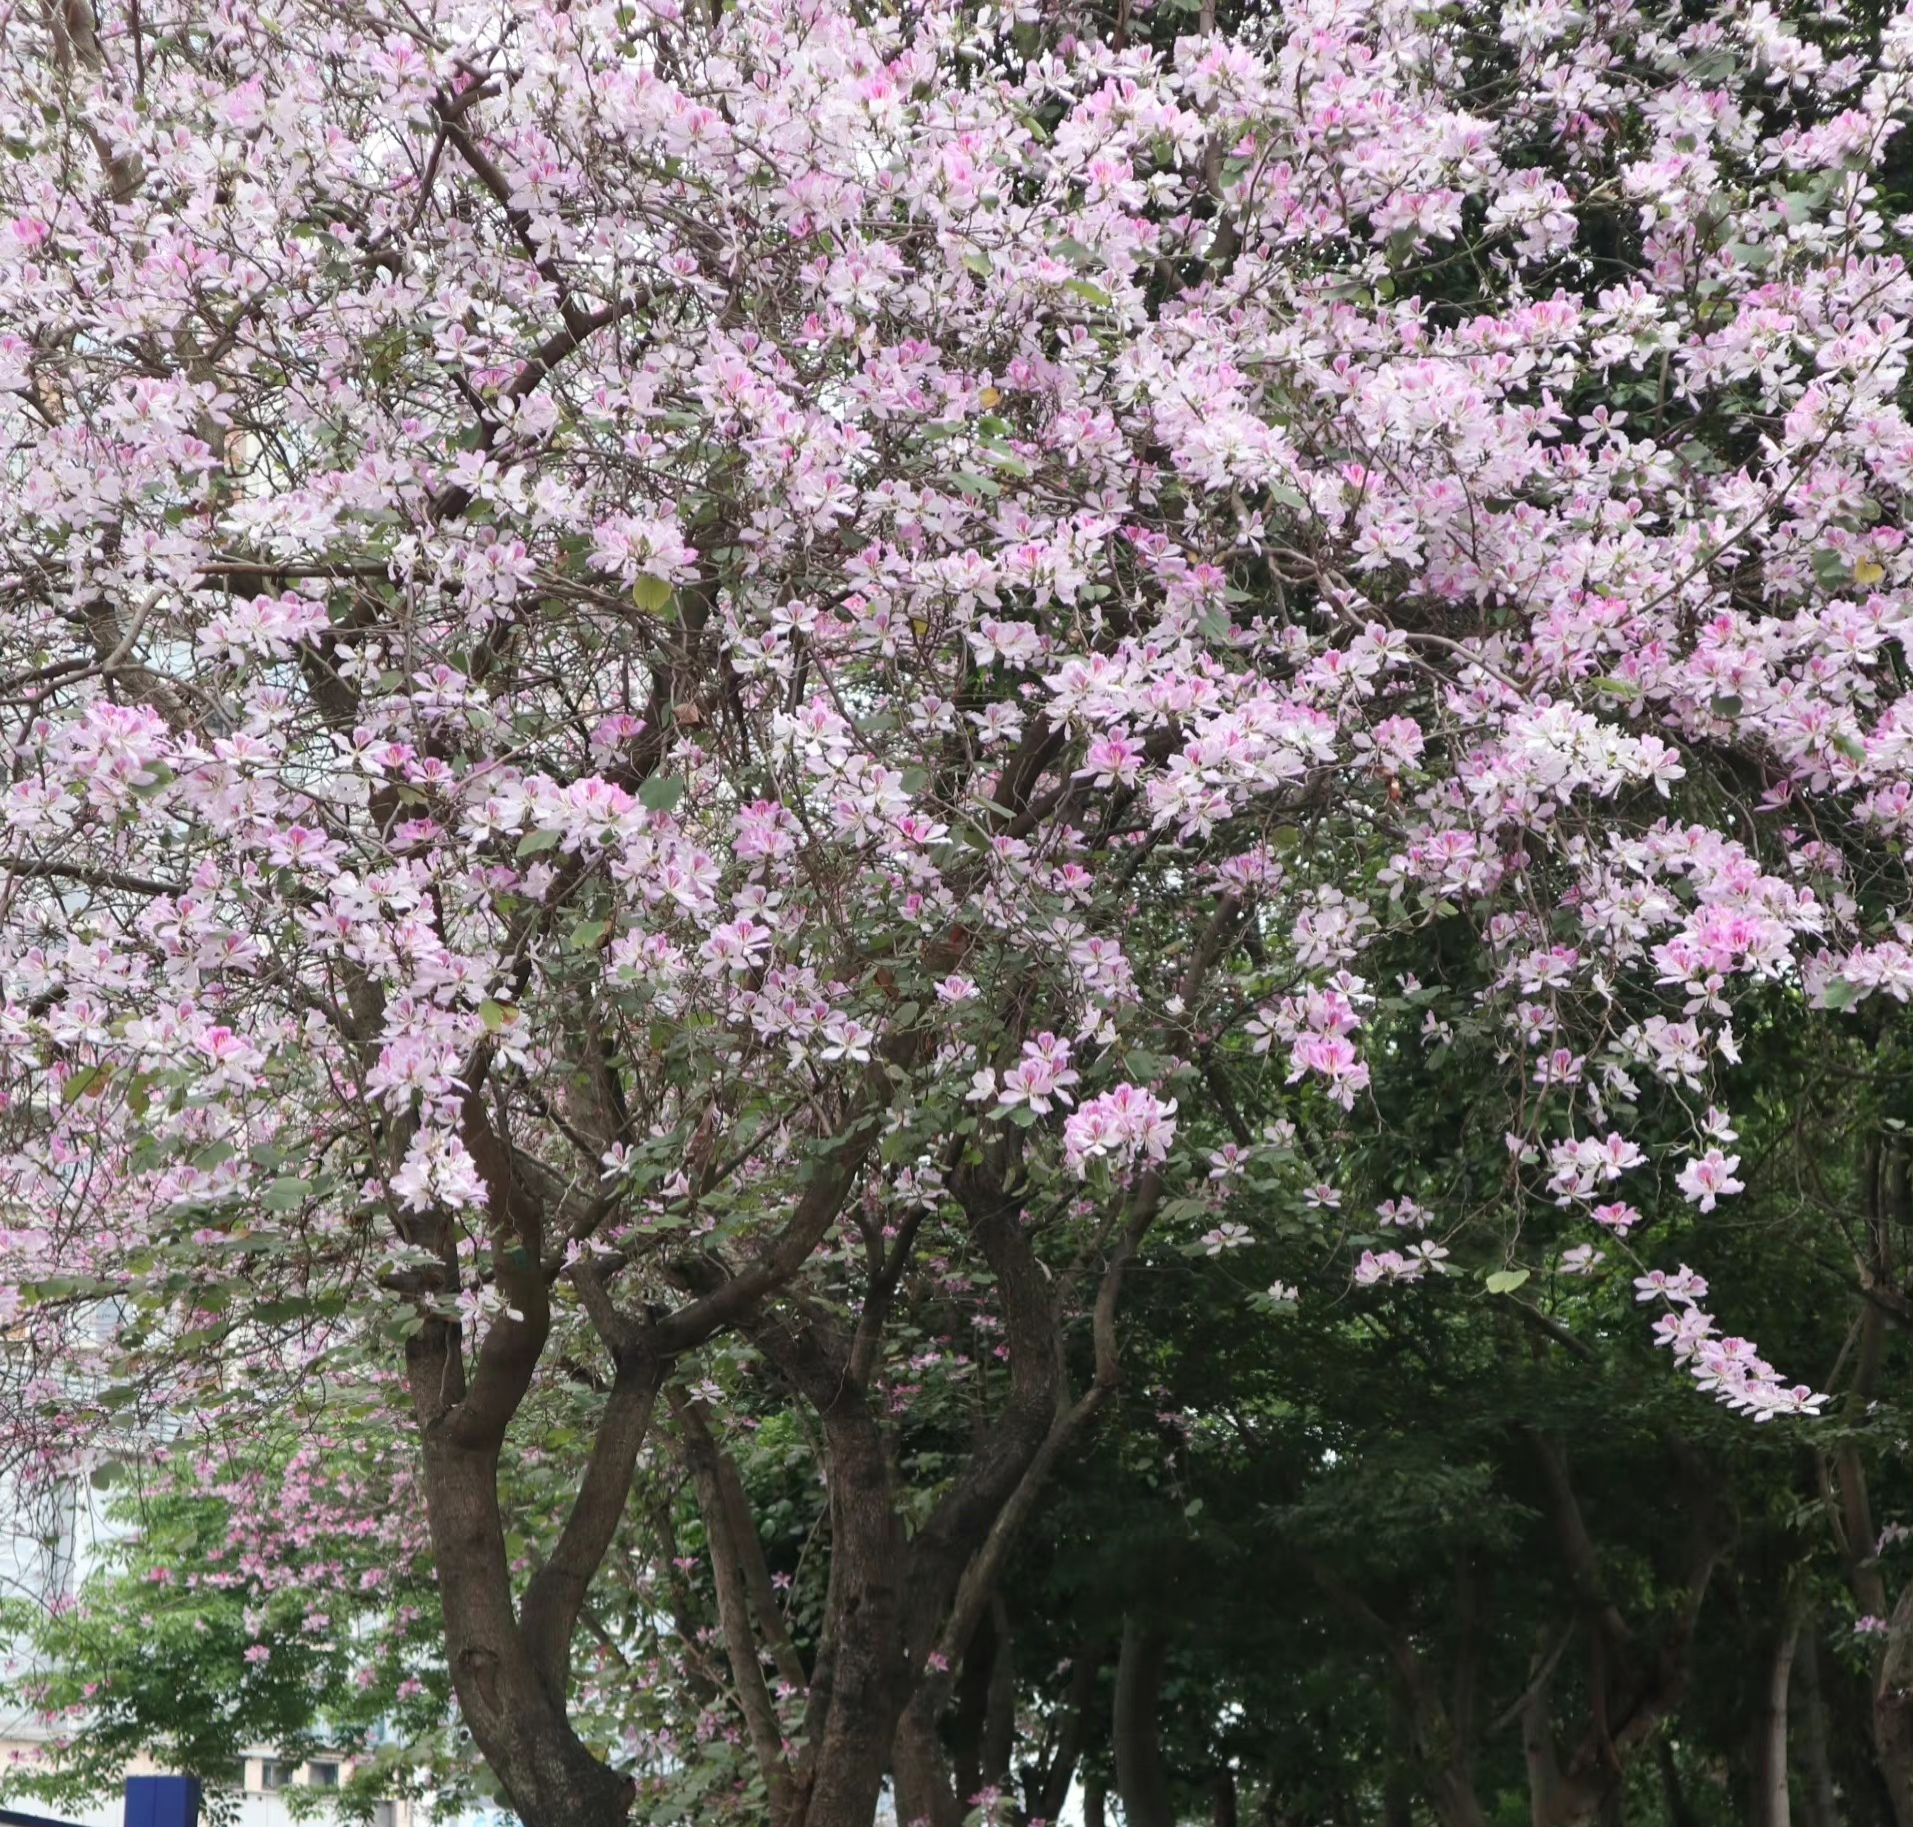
[236, 1598]
[668, 669]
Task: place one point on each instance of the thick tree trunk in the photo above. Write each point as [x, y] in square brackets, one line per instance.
[1141, 1780]
[969, 1715]
[516, 1721]
[1767, 1737]
[926, 1794]
[861, 1681]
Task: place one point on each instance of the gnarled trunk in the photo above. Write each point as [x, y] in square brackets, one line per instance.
[513, 1707]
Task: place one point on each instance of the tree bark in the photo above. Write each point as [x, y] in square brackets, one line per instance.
[516, 1720]
[999, 1708]
[721, 1529]
[856, 1705]
[1818, 1805]
[968, 1723]
[1893, 1710]
[1888, 1201]
[1680, 1811]
[1141, 1780]
[926, 1790]
[1767, 1746]
[861, 1678]
[510, 1694]
[1061, 1769]
[1222, 1799]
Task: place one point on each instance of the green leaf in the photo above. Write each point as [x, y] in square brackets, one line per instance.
[285, 1193]
[651, 593]
[1839, 994]
[971, 484]
[1505, 1281]
[661, 792]
[275, 1312]
[1089, 292]
[534, 841]
[1616, 688]
[496, 1016]
[89, 1081]
[586, 934]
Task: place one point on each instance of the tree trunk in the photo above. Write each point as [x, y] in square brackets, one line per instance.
[1222, 1799]
[1817, 1801]
[1141, 1780]
[969, 1713]
[861, 1681]
[1095, 1802]
[926, 1796]
[1456, 1804]
[542, 1764]
[1054, 1792]
[1680, 1811]
[999, 1701]
[1893, 1710]
[1767, 1746]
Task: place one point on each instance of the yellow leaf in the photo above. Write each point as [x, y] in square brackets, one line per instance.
[988, 397]
[1868, 570]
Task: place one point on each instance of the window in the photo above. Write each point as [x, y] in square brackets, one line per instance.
[385, 1814]
[323, 1776]
[274, 1775]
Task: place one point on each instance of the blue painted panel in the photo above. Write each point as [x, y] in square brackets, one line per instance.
[162, 1801]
